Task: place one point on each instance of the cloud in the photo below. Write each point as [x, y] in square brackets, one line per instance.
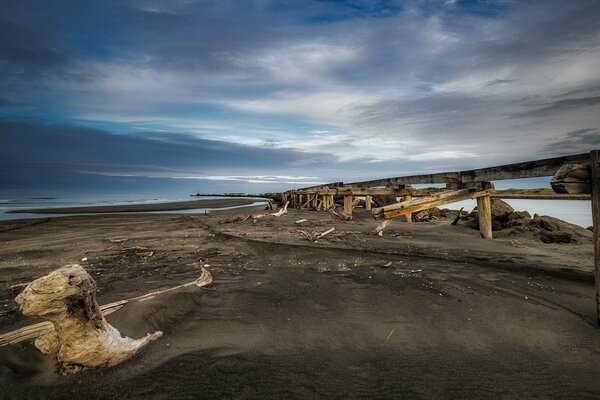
[579, 141]
[556, 107]
[329, 90]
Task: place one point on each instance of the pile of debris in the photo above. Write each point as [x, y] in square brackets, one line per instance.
[547, 229]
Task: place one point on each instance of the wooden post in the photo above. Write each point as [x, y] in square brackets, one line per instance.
[325, 202]
[484, 211]
[368, 203]
[408, 197]
[348, 205]
[331, 201]
[595, 165]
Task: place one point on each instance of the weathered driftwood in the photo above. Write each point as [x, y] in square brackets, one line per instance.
[279, 213]
[595, 179]
[572, 179]
[380, 228]
[455, 221]
[77, 333]
[314, 236]
[340, 215]
[301, 221]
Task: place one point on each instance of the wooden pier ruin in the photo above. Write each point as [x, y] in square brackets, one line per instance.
[574, 174]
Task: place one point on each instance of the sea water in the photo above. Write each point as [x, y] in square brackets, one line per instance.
[10, 203]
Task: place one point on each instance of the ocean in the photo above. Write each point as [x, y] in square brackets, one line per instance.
[8, 203]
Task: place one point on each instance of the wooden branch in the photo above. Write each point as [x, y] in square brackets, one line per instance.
[313, 236]
[457, 217]
[379, 229]
[340, 215]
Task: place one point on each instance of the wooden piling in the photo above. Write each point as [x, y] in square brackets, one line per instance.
[408, 197]
[368, 203]
[595, 167]
[348, 205]
[484, 212]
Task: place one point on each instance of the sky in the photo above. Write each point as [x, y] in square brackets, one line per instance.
[227, 96]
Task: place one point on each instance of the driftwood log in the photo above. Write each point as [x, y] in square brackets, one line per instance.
[314, 236]
[572, 179]
[77, 334]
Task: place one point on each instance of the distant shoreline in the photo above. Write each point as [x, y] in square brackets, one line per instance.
[126, 208]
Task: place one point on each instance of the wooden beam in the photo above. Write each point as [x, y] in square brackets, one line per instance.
[368, 202]
[408, 197]
[348, 205]
[408, 207]
[484, 212]
[595, 166]
[357, 191]
[529, 169]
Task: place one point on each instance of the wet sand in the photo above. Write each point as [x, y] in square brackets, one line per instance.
[452, 316]
[118, 208]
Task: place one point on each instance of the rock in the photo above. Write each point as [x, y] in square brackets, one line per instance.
[554, 230]
[384, 200]
[556, 237]
[501, 210]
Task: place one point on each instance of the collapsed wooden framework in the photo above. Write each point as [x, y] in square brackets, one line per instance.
[573, 174]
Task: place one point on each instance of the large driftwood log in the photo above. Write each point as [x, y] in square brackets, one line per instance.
[275, 214]
[78, 334]
[572, 179]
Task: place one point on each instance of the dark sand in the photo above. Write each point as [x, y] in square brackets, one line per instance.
[173, 206]
[454, 316]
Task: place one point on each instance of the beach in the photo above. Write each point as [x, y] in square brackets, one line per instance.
[429, 310]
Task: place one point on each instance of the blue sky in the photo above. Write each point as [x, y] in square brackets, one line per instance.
[261, 95]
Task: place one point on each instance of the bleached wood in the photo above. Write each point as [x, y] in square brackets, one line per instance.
[484, 212]
[80, 338]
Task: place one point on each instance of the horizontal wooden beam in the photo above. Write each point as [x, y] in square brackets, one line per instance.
[529, 169]
[326, 185]
[355, 191]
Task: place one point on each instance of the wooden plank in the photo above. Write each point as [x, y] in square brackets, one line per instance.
[484, 212]
[529, 169]
[368, 203]
[348, 205]
[595, 166]
[409, 207]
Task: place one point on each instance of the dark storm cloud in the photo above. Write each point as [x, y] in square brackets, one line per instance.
[579, 141]
[98, 151]
[553, 108]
